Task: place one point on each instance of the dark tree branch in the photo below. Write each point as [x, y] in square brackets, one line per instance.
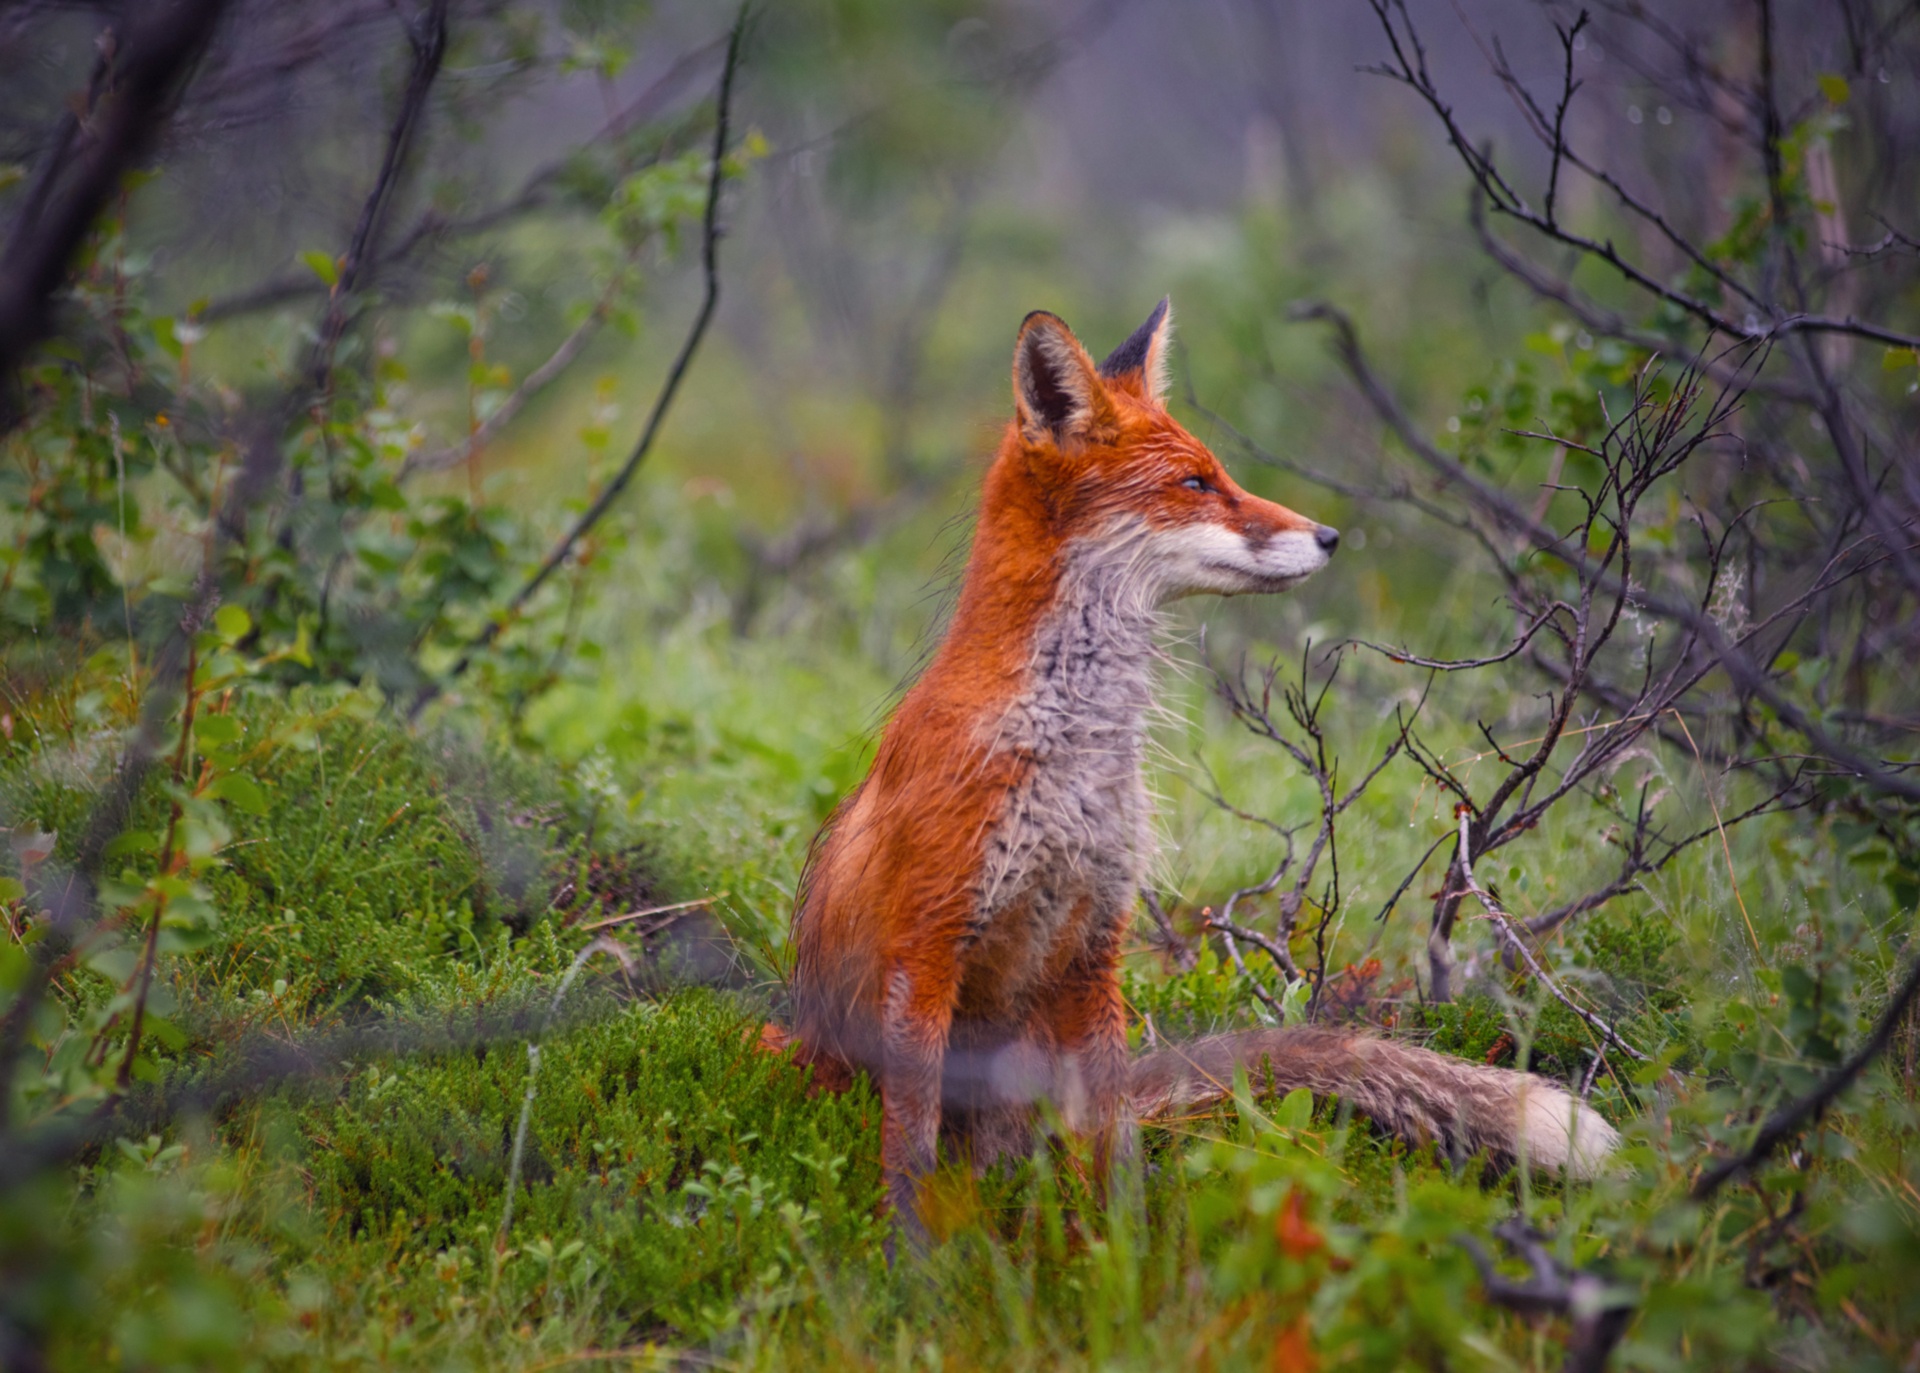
[155, 51]
[536, 381]
[433, 226]
[428, 38]
[1166, 938]
[1747, 675]
[1795, 1116]
[1525, 637]
[1609, 324]
[1600, 1313]
[1409, 69]
[1637, 862]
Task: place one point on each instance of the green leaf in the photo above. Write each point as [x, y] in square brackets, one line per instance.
[1293, 1000]
[133, 841]
[384, 495]
[116, 964]
[323, 266]
[241, 791]
[1295, 1111]
[214, 730]
[231, 623]
[195, 927]
[1834, 87]
[164, 335]
[117, 893]
[203, 836]
[12, 889]
[164, 1031]
[14, 961]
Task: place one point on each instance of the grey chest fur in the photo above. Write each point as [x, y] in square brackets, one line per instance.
[1077, 830]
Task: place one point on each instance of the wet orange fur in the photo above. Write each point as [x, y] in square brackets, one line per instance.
[889, 893]
[960, 919]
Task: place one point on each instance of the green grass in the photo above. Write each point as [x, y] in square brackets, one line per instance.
[683, 1197]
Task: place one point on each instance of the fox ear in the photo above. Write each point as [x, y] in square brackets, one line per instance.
[1056, 390]
[1144, 354]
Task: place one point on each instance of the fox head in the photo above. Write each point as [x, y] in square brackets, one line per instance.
[1100, 462]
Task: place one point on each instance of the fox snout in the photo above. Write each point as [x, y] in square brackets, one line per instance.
[1260, 548]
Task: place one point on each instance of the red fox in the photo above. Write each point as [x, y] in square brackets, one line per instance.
[960, 919]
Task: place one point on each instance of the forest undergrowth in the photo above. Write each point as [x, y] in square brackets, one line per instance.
[435, 626]
[683, 1200]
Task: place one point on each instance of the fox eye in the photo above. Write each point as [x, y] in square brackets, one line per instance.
[1196, 484]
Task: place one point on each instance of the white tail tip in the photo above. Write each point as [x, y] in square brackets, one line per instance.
[1563, 1133]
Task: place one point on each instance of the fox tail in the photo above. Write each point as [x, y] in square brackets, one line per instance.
[1414, 1093]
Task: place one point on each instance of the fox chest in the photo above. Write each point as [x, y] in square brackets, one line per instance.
[1064, 855]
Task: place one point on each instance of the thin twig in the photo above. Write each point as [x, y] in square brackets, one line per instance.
[710, 266]
[1747, 675]
[1507, 201]
[429, 43]
[602, 945]
[1504, 923]
[1175, 945]
[1230, 935]
[656, 910]
[435, 227]
[536, 381]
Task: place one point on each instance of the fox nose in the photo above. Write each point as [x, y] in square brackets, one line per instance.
[1326, 536]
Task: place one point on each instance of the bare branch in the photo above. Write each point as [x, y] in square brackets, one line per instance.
[428, 39]
[1401, 655]
[1747, 675]
[1504, 923]
[536, 381]
[435, 227]
[1600, 1313]
[1790, 1119]
[1168, 939]
[676, 373]
[1507, 201]
[156, 50]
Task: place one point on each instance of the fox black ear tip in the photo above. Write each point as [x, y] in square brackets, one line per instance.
[1134, 353]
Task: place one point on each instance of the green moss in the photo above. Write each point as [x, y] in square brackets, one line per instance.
[358, 873]
[686, 1162]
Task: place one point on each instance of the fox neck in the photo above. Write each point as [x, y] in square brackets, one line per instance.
[1076, 625]
[1081, 823]
[1094, 649]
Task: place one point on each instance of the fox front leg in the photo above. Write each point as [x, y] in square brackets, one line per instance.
[1086, 1019]
[914, 1030]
